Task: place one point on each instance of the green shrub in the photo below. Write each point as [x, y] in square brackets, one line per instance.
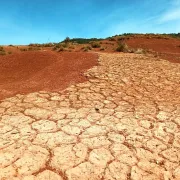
[122, 47]
[82, 40]
[95, 45]
[67, 40]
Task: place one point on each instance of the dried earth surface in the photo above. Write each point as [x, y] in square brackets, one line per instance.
[121, 124]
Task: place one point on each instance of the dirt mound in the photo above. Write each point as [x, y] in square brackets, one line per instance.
[164, 48]
[31, 71]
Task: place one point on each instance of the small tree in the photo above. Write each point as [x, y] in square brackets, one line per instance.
[67, 40]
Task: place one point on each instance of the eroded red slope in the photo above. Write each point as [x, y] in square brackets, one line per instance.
[31, 71]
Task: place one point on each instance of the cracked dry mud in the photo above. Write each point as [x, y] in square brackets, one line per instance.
[123, 124]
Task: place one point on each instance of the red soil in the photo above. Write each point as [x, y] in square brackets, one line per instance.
[168, 48]
[32, 71]
[164, 48]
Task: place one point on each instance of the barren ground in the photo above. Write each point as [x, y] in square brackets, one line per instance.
[25, 72]
[122, 123]
[168, 49]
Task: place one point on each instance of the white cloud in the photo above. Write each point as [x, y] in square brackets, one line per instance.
[171, 15]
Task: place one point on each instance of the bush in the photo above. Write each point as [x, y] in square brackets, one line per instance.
[61, 49]
[140, 51]
[71, 47]
[9, 52]
[48, 45]
[34, 48]
[23, 49]
[82, 40]
[102, 49]
[111, 39]
[64, 45]
[122, 47]
[1, 48]
[35, 45]
[95, 45]
[121, 38]
[86, 48]
[67, 40]
[2, 53]
[55, 48]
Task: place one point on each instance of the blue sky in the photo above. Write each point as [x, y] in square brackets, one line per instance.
[41, 21]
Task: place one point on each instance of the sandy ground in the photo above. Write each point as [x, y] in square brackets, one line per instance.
[121, 124]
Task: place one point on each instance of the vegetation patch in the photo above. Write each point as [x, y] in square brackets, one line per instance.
[102, 49]
[23, 49]
[86, 48]
[111, 39]
[82, 40]
[2, 51]
[150, 35]
[139, 51]
[95, 44]
[122, 47]
[34, 48]
[42, 45]
[61, 49]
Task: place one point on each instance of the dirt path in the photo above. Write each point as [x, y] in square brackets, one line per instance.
[124, 123]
